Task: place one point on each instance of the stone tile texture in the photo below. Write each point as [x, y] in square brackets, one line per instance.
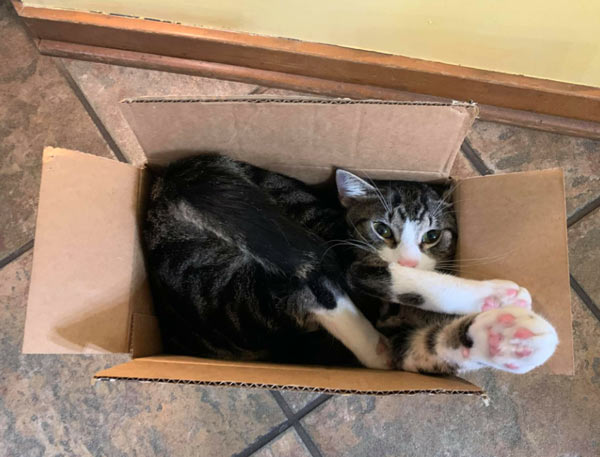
[49, 407]
[462, 168]
[584, 253]
[288, 444]
[104, 86]
[507, 148]
[298, 400]
[37, 109]
[530, 415]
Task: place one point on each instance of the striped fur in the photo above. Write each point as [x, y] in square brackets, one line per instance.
[233, 276]
[251, 265]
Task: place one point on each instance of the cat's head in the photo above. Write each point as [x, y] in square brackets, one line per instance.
[411, 224]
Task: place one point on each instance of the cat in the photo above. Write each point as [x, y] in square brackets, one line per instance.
[248, 264]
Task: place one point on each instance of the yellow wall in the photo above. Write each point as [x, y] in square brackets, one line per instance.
[553, 39]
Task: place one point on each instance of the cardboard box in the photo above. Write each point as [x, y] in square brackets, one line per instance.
[88, 289]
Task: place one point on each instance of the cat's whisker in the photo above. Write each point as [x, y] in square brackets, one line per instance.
[447, 207]
[446, 199]
[471, 262]
[504, 254]
[358, 232]
[385, 205]
[351, 240]
[349, 244]
[474, 261]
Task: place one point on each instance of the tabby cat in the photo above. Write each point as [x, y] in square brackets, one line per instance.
[248, 264]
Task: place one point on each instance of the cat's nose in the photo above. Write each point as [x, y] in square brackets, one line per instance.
[412, 263]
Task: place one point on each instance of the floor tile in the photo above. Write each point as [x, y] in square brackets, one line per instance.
[288, 444]
[37, 109]
[529, 415]
[298, 400]
[584, 253]
[106, 85]
[48, 407]
[462, 168]
[506, 148]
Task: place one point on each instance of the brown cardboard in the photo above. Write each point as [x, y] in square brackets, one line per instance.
[518, 221]
[87, 259]
[87, 277]
[303, 137]
[190, 370]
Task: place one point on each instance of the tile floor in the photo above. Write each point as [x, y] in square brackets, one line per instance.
[48, 407]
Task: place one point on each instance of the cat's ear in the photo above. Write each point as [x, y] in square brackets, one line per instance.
[445, 191]
[351, 187]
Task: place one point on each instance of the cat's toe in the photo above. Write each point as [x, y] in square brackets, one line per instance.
[504, 294]
[522, 299]
[511, 339]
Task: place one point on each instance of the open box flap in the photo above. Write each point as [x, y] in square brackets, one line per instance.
[88, 276]
[187, 370]
[491, 209]
[305, 137]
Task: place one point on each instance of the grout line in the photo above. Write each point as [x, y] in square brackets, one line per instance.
[585, 298]
[583, 211]
[289, 414]
[312, 405]
[294, 419]
[308, 441]
[473, 156]
[90, 110]
[264, 439]
[16, 254]
[291, 421]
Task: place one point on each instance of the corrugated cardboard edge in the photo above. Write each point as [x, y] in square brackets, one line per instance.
[282, 387]
[290, 99]
[187, 370]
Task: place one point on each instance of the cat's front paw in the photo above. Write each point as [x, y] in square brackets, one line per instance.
[509, 339]
[500, 294]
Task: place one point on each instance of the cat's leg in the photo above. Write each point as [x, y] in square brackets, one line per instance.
[509, 339]
[444, 293]
[345, 322]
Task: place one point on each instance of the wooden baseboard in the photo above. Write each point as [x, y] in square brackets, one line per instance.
[305, 84]
[309, 67]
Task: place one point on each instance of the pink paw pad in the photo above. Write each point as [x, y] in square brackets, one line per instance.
[521, 303]
[490, 303]
[523, 352]
[512, 292]
[494, 340]
[506, 319]
[513, 339]
[523, 333]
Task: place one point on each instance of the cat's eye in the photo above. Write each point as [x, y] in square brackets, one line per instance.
[431, 237]
[383, 230]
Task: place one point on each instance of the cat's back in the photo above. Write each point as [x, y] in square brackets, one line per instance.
[210, 183]
[227, 244]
